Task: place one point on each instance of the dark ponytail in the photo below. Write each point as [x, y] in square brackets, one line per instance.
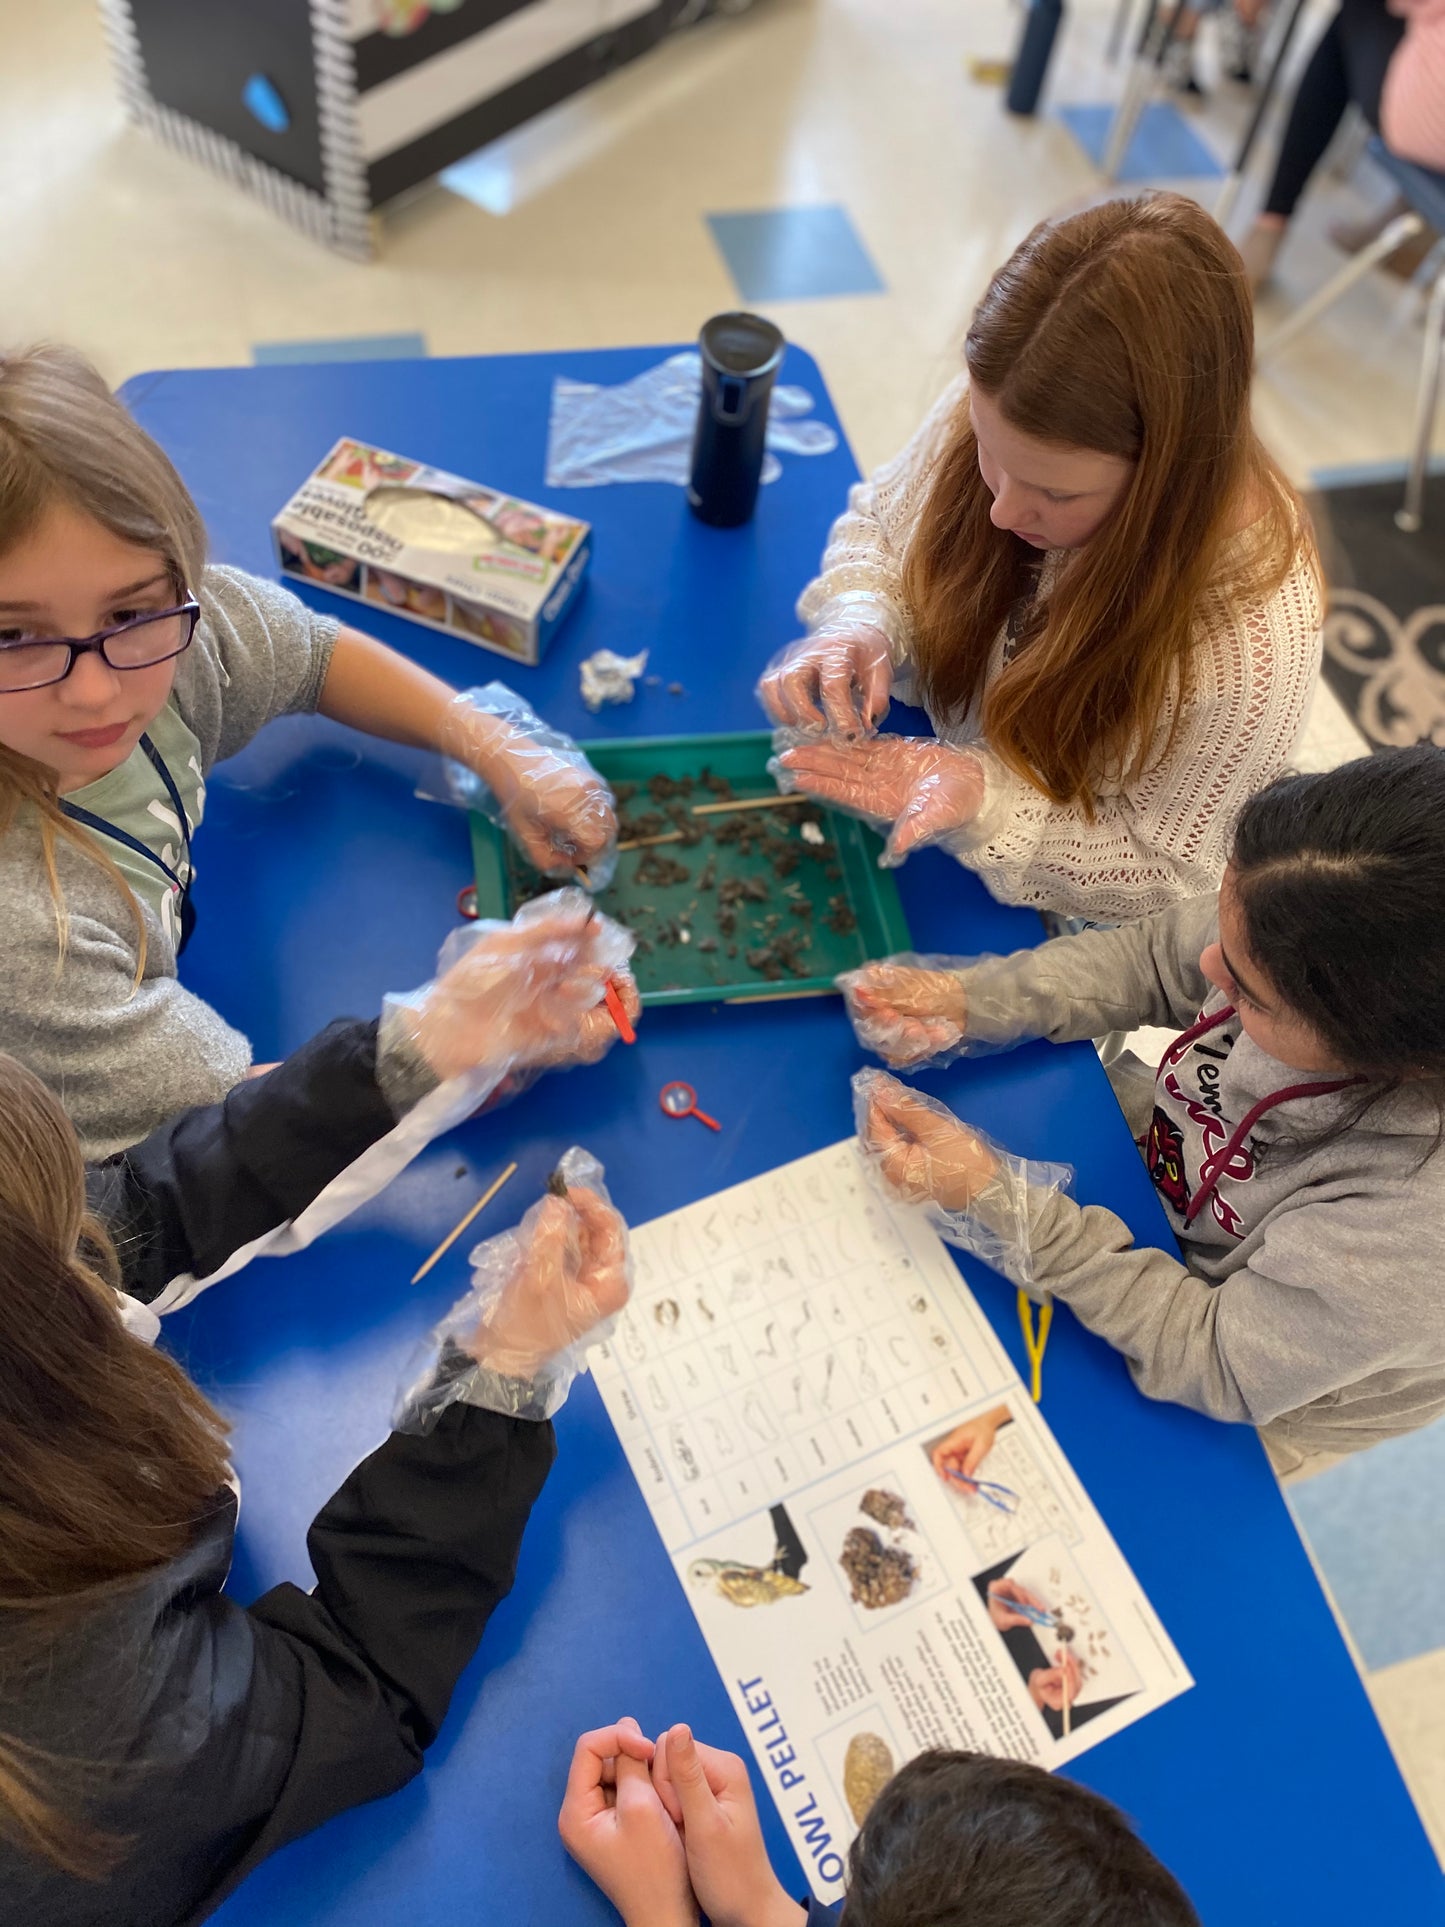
[1340, 881]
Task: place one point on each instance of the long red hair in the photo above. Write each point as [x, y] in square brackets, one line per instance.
[1127, 329]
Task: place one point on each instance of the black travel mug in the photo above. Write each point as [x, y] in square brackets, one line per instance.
[740, 358]
[1031, 62]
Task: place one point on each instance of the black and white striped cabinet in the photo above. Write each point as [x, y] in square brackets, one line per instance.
[327, 109]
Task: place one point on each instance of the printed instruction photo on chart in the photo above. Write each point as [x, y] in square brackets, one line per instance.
[882, 1543]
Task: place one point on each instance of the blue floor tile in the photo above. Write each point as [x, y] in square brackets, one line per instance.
[794, 254]
[1376, 1525]
[1164, 148]
[268, 354]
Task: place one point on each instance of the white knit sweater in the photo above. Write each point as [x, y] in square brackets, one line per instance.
[1155, 843]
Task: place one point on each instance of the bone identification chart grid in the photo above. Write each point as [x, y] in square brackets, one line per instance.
[882, 1544]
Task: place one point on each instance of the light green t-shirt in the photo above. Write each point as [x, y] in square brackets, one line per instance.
[134, 798]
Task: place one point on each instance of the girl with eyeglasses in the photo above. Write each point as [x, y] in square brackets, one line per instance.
[128, 668]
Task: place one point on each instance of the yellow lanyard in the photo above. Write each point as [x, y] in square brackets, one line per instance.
[1034, 1342]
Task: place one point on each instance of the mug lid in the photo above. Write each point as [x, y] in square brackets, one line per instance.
[741, 344]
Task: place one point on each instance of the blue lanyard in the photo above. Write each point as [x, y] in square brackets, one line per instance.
[77, 814]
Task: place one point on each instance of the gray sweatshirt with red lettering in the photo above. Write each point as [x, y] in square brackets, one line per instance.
[1309, 1297]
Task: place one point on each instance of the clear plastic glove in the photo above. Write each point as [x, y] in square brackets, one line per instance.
[540, 1295]
[500, 758]
[836, 679]
[923, 788]
[642, 430]
[975, 1194]
[508, 996]
[908, 1009]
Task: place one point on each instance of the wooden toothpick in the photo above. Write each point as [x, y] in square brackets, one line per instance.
[646, 842]
[446, 1244]
[752, 803]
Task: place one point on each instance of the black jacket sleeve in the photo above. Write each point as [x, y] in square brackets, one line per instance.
[411, 1556]
[211, 1180]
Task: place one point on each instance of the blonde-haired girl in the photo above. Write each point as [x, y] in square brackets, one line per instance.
[1089, 571]
[128, 667]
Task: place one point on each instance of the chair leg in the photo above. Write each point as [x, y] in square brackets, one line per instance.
[1407, 517]
[1402, 229]
[1118, 30]
[1138, 85]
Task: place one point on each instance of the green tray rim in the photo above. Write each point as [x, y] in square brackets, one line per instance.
[494, 899]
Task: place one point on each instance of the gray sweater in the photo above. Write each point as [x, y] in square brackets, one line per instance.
[1310, 1300]
[121, 1057]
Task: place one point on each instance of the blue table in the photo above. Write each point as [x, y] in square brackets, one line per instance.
[322, 884]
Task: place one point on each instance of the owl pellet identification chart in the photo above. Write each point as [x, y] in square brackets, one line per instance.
[883, 1545]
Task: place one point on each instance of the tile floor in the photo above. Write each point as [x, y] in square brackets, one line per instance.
[856, 121]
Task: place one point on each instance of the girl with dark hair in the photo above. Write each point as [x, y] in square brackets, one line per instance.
[1291, 1129]
[1089, 571]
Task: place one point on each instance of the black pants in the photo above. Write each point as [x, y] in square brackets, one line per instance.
[1348, 65]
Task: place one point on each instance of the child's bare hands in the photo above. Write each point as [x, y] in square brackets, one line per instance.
[903, 1013]
[618, 1831]
[710, 1798]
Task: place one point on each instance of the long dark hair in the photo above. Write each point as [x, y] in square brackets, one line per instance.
[109, 1456]
[1340, 881]
[1126, 329]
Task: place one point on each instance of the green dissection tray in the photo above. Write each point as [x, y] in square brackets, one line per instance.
[741, 903]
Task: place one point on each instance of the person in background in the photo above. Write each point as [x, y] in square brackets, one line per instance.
[1088, 570]
[1293, 1129]
[1386, 57]
[1240, 27]
[952, 1840]
[157, 1740]
[128, 668]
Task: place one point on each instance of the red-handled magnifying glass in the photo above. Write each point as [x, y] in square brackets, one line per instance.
[680, 1100]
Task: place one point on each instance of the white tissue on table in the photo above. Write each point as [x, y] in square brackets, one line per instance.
[610, 678]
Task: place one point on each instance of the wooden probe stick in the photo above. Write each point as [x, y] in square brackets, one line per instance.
[752, 803]
[446, 1244]
[646, 842]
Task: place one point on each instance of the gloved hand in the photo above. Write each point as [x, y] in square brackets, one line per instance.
[568, 1272]
[836, 679]
[540, 1295]
[907, 1011]
[559, 814]
[975, 1194]
[924, 788]
[530, 992]
[918, 1147]
[502, 759]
